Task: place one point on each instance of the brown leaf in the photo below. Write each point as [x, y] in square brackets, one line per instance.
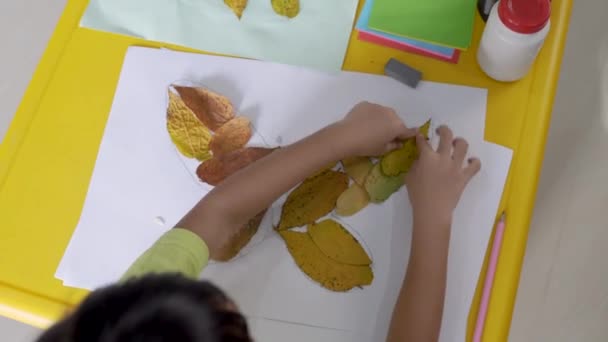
[240, 240]
[211, 108]
[216, 169]
[313, 199]
[231, 136]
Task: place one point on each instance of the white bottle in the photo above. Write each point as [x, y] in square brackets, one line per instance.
[514, 33]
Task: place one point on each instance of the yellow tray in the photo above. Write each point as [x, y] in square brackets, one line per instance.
[48, 155]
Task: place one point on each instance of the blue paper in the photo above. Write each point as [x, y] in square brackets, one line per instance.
[363, 25]
[317, 37]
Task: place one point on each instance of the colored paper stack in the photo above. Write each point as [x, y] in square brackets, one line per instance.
[439, 29]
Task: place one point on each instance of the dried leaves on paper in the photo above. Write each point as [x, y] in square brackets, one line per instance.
[401, 160]
[188, 134]
[287, 8]
[233, 135]
[216, 169]
[204, 125]
[313, 199]
[237, 6]
[338, 243]
[357, 168]
[212, 109]
[333, 275]
[380, 186]
[352, 200]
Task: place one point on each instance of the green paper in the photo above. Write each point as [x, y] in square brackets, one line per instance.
[444, 22]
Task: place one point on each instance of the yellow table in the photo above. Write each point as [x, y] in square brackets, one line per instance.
[48, 155]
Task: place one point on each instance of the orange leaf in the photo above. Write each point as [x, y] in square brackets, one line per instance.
[218, 168]
[232, 136]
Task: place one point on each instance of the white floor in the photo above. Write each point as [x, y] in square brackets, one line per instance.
[563, 293]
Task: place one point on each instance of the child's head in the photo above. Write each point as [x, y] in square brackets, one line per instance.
[159, 308]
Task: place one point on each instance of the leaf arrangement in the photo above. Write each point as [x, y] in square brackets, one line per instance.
[287, 8]
[203, 125]
[326, 251]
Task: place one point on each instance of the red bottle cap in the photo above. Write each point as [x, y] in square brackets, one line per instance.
[524, 16]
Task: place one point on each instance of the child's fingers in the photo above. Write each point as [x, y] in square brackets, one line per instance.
[472, 168]
[404, 133]
[423, 144]
[393, 145]
[461, 147]
[445, 140]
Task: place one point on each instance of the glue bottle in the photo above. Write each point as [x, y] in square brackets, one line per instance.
[512, 38]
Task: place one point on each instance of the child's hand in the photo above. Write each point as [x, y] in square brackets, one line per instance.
[436, 181]
[371, 130]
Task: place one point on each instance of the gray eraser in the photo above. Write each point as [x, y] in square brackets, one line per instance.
[402, 73]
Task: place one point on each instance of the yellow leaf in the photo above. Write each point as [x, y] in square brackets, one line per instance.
[188, 134]
[240, 240]
[212, 109]
[337, 243]
[380, 186]
[401, 160]
[357, 168]
[237, 6]
[352, 200]
[288, 8]
[325, 271]
[232, 136]
[313, 199]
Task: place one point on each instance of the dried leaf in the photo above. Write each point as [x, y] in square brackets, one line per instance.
[232, 136]
[352, 200]
[401, 160]
[212, 109]
[313, 199]
[237, 6]
[216, 169]
[322, 269]
[288, 8]
[380, 186]
[240, 240]
[188, 134]
[338, 243]
[357, 168]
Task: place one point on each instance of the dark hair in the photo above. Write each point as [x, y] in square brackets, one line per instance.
[154, 308]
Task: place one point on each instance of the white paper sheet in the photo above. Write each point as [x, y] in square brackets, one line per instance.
[139, 177]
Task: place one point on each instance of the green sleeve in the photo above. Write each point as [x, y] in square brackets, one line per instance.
[176, 251]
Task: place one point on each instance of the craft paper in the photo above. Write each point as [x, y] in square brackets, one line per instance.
[141, 186]
[398, 42]
[317, 37]
[445, 22]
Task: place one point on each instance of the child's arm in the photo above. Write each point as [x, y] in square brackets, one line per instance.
[434, 185]
[367, 130]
